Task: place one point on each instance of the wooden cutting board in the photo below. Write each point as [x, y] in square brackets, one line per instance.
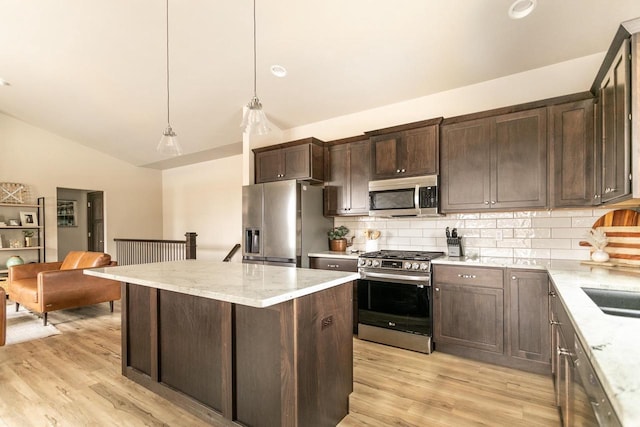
[622, 228]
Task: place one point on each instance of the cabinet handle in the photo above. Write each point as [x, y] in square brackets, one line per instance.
[563, 351]
[486, 202]
[467, 276]
[437, 289]
[397, 170]
[514, 278]
[403, 170]
[333, 265]
[493, 202]
[552, 294]
[554, 322]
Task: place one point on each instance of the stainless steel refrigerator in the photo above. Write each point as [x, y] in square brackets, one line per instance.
[282, 223]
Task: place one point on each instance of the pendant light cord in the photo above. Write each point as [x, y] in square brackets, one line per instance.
[255, 93]
[168, 122]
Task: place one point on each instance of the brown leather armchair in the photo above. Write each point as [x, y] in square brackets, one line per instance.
[50, 286]
[3, 317]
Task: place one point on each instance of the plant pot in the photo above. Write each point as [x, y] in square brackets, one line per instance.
[600, 256]
[338, 245]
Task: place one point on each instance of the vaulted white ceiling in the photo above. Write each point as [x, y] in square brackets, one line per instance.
[94, 70]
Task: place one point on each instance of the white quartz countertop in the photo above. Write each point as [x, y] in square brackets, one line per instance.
[246, 284]
[334, 254]
[612, 343]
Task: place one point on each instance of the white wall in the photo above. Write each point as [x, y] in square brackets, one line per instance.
[45, 161]
[205, 198]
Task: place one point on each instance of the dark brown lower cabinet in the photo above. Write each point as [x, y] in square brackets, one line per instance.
[286, 365]
[340, 264]
[494, 315]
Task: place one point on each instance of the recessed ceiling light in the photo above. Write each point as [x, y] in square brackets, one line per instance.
[521, 8]
[4, 83]
[278, 70]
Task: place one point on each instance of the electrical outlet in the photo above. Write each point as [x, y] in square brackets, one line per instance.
[498, 234]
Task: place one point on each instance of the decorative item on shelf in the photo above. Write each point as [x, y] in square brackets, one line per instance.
[14, 243]
[371, 236]
[337, 239]
[14, 193]
[14, 260]
[28, 219]
[597, 238]
[28, 238]
[14, 223]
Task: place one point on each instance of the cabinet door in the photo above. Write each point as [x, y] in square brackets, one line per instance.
[465, 166]
[572, 145]
[268, 166]
[297, 162]
[519, 167]
[359, 164]
[529, 315]
[385, 156]
[419, 151]
[469, 316]
[615, 127]
[338, 179]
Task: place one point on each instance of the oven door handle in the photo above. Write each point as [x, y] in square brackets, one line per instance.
[425, 280]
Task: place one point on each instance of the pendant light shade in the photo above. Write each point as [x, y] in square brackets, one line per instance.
[254, 120]
[169, 144]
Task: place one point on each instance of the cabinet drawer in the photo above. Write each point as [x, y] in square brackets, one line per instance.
[337, 264]
[487, 277]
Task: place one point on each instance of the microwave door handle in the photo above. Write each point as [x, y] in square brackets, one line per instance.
[416, 197]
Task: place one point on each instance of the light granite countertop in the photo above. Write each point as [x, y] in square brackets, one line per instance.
[612, 343]
[334, 254]
[246, 284]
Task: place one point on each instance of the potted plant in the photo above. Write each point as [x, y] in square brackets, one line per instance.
[28, 236]
[337, 240]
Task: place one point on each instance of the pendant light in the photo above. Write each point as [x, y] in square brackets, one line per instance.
[169, 144]
[254, 120]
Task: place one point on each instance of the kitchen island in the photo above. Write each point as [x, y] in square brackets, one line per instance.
[240, 343]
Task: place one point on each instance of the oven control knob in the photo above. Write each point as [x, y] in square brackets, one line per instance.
[424, 266]
[376, 263]
[368, 263]
[415, 266]
[407, 265]
[362, 262]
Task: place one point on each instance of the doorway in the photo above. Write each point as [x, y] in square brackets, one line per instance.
[80, 220]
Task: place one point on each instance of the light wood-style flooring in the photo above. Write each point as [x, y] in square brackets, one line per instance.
[74, 379]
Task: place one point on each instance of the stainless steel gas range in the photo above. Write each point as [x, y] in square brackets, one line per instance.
[395, 300]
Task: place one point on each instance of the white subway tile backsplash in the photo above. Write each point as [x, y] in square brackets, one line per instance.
[551, 243]
[480, 223]
[551, 222]
[514, 223]
[525, 234]
[514, 243]
[495, 215]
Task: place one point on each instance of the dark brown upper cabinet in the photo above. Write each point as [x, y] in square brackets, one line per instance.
[572, 161]
[347, 177]
[302, 160]
[407, 150]
[614, 116]
[495, 162]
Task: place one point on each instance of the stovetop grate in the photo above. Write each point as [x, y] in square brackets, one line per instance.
[398, 254]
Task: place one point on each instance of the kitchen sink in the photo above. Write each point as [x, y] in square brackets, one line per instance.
[615, 302]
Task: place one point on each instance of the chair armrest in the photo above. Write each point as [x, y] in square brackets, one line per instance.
[26, 271]
[67, 280]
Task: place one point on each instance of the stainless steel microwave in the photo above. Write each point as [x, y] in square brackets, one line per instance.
[416, 196]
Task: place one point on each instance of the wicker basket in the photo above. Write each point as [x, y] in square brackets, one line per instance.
[14, 193]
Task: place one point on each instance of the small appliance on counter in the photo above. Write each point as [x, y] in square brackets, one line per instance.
[454, 243]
